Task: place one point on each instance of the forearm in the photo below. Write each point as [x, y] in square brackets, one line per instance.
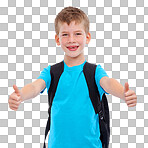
[28, 92]
[115, 88]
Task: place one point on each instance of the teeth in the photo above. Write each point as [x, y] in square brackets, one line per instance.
[73, 47]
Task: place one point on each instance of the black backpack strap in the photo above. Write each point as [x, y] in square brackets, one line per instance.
[104, 123]
[100, 107]
[89, 73]
[55, 72]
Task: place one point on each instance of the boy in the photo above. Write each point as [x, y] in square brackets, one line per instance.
[74, 123]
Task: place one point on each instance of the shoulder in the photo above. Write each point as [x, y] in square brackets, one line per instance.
[47, 68]
[99, 66]
[100, 72]
[45, 72]
[57, 66]
[99, 69]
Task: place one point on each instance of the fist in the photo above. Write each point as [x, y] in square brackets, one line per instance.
[15, 99]
[130, 96]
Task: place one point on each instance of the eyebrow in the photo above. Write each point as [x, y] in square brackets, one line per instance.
[74, 31]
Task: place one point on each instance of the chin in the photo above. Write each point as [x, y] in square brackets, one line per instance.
[72, 55]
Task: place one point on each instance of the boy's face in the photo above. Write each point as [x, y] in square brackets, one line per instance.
[72, 38]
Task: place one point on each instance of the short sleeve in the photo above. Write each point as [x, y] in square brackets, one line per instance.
[100, 73]
[45, 75]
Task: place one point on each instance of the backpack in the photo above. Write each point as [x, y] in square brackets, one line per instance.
[100, 107]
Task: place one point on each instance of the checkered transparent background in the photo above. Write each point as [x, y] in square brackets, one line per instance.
[119, 30]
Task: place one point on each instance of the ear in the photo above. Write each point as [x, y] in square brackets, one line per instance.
[57, 39]
[88, 38]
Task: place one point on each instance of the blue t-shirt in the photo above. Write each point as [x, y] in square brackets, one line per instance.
[74, 123]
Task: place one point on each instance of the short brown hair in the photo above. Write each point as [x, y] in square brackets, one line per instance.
[69, 14]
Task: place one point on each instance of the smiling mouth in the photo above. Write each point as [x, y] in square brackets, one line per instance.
[72, 48]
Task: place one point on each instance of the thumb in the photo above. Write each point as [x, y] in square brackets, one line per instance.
[16, 89]
[126, 87]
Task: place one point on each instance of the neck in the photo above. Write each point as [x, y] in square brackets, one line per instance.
[70, 61]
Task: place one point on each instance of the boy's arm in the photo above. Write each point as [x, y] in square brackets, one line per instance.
[32, 90]
[27, 92]
[113, 87]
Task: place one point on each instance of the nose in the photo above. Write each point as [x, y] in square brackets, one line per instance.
[71, 38]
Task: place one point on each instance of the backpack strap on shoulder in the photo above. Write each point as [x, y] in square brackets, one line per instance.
[55, 72]
[100, 107]
[89, 73]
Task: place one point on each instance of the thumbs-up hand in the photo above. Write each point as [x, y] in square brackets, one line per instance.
[130, 96]
[15, 98]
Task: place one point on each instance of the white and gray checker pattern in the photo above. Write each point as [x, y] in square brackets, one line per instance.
[119, 43]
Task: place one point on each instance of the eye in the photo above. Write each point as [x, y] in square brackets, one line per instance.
[64, 34]
[78, 33]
